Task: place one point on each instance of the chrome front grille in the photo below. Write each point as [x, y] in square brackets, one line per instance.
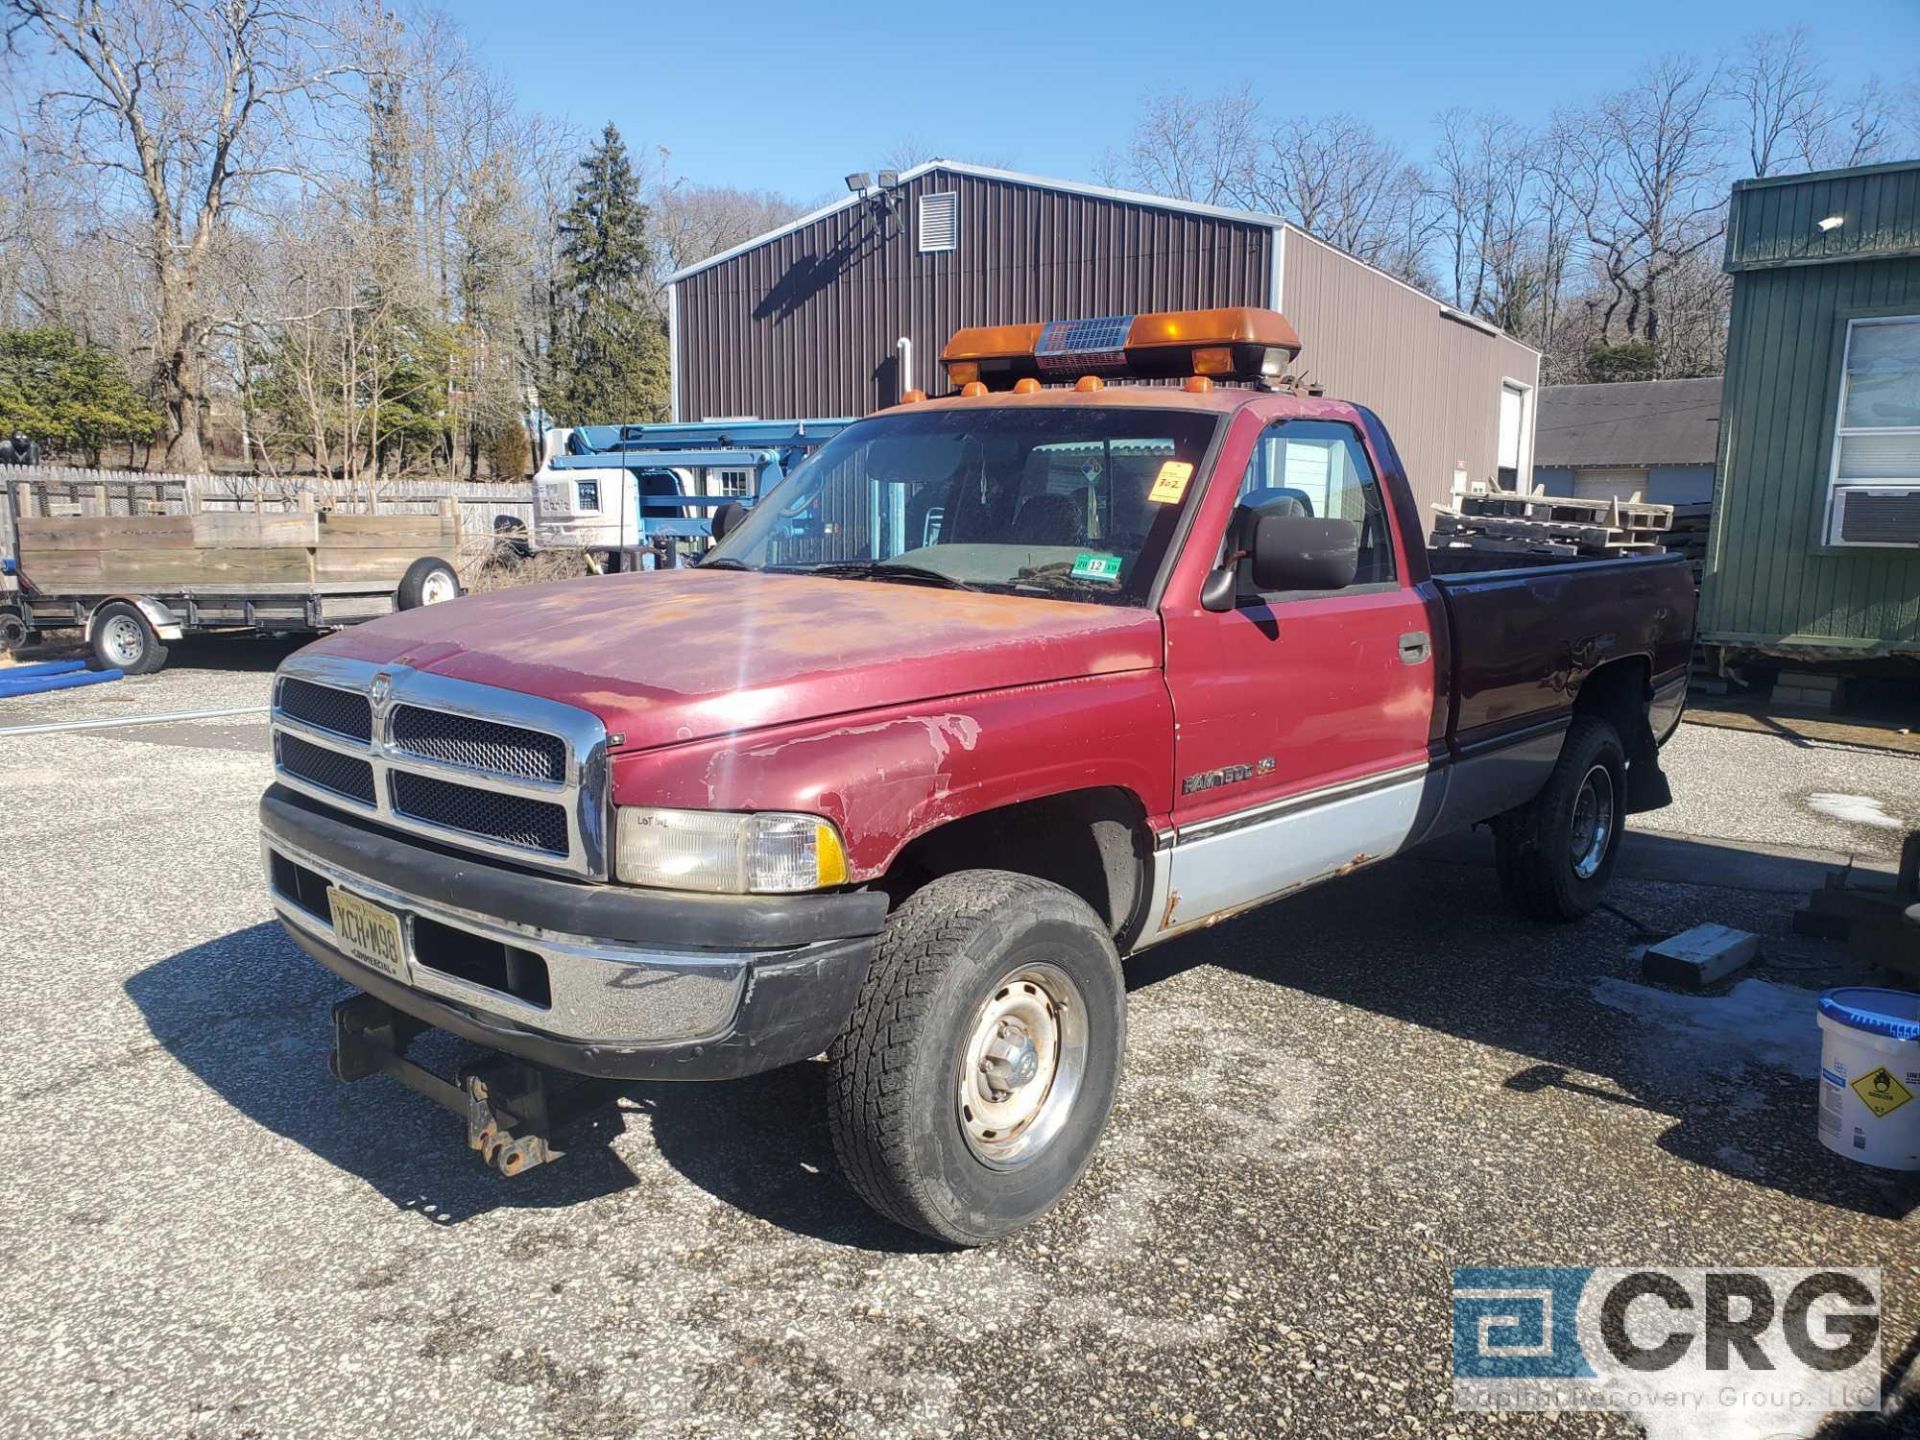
[340, 711]
[470, 765]
[531, 824]
[478, 744]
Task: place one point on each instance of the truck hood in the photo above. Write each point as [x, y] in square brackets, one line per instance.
[683, 655]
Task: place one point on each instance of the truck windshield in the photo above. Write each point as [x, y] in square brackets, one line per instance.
[1073, 502]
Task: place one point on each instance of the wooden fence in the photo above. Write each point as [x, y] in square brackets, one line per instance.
[62, 492]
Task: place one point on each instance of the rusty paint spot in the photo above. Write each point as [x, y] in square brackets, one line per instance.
[1352, 865]
[1173, 904]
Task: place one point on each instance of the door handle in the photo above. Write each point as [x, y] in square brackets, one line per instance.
[1415, 646]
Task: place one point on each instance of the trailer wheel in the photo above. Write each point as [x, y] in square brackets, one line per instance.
[1555, 854]
[14, 634]
[975, 1077]
[124, 641]
[428, 581]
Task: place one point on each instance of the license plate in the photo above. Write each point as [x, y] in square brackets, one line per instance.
[368, 933]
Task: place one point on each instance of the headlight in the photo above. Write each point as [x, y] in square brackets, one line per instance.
[726, 853]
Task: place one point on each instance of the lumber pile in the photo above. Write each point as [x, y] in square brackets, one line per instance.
[1511, 523]
[1689, 534]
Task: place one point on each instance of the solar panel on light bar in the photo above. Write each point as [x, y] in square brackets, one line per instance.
[1097, 335]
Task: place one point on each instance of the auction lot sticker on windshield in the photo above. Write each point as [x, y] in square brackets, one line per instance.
[1733, 1351]
[1171, 483]
[1090, 566]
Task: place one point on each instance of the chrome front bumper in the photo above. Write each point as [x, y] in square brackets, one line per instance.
[637, 984]
[601, 992]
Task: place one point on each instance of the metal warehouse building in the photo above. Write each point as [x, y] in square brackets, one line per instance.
[844, 310]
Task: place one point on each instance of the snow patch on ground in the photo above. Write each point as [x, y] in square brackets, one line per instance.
[1756, 1022]
[1855, 809]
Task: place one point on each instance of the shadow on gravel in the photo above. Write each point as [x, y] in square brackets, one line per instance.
[249, 1015]
[761, 1145]
[1427, 940]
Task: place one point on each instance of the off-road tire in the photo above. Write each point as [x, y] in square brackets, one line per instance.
[110, 623]
[412, 593]
[893, 1094]
[1533, 844]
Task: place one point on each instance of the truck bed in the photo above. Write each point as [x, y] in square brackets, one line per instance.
[1524, 638]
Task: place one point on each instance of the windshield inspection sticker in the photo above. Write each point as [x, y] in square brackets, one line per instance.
[1171, 483]
[1104, 568]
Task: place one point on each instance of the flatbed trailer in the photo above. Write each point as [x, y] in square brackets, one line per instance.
[135, 583]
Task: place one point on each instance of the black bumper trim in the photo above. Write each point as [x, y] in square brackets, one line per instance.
[658, 919]
[793, 1008]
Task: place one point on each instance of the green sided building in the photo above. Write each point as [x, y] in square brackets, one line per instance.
[1814, 552]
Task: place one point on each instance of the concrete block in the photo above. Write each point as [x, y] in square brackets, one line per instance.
[1697, 958]
[1805, 680]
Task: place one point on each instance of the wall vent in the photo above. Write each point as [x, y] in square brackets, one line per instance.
[939, 228]
[1876, 516]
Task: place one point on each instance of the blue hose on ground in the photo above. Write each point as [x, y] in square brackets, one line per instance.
[12, 687]
[45, 667]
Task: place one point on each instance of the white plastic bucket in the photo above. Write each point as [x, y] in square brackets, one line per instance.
[1870, 1076]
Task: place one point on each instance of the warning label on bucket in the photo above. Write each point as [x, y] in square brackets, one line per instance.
[1880, 1092]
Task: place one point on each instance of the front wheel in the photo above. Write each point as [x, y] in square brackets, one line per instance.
[1555, 854]
[975, 1077]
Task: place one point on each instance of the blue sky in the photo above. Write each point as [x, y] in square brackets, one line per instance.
[790, 96]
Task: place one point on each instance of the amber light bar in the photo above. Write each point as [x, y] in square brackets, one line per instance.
[1236, 343]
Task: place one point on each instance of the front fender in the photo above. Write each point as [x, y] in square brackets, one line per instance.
[886, 777]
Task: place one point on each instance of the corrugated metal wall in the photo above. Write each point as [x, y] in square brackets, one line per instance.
[1769, 578]
[1435, 382]
[806, 324]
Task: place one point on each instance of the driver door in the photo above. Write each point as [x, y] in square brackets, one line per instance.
[1302, 731]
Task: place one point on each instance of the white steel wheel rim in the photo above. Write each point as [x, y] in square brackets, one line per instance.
[437, 587]
[122, 640]
[1592, 821]
[1022, 1065]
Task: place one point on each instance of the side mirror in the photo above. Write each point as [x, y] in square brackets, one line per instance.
[1283, 551]
[1298, 552]
[727, 518]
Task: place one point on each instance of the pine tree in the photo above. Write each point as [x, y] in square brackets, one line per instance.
[615, 365]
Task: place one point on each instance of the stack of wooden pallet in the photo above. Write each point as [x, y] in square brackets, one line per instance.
[1689, 534]
[1507, 522]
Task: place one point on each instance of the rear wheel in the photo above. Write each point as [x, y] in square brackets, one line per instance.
[1556, 853]
[976, 1075]
[124, 641]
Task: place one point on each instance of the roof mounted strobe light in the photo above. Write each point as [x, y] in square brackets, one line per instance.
[1240, 343]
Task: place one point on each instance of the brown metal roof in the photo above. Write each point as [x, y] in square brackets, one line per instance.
[1636, 422]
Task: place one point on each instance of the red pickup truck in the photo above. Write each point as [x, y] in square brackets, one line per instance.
[994, 691]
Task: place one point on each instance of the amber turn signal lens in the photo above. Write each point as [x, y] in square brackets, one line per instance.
[1087, 384]
[1213, 360]
[913, 397]
[1025, 385]
[1197, 385]
[964, 372]
[972, 388]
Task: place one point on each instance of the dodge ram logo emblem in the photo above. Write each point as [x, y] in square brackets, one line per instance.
[382, 686]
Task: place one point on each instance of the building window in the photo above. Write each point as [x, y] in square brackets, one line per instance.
[1877, 438]
[1874, 489]
[939, 228]
[736, 482]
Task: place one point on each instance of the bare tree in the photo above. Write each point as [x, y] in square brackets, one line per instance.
[1792, 118]
[189, 105]
[1647, 178]
[1191, 149]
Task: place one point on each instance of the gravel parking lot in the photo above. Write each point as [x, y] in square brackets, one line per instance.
[1327, 1105]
